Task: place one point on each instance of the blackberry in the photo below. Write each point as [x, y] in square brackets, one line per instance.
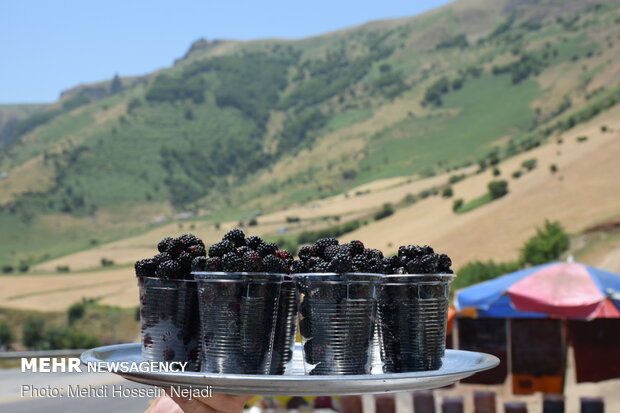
[430, 263]
[427, 250]
[341, 263]
[190, 239]
[240, 251]
[423, 265]
[322, 266]
[161, 257]
[168, 270]
[298, 267]
[252, 261]
[331, 251]
[163, 245]
[374, 253]
[443, 263]
[220, 248]
[253, 242]
[232, 263]
[271, 263]
[185, 262]
[375, 265]
[196, 250]
[267, 248]
[321, 244]
[145, 268]
[356, 247]
[359, 263]
[312, 262]
[213, 264]
[236, 236]
[409, 251]
[199, 264]
[389, 264]
[305, 252]
[284, 255]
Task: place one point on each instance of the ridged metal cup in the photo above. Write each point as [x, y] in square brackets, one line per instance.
[286, 326]
[337, 319]
[413, 312]
[237, 320]
[169, 324]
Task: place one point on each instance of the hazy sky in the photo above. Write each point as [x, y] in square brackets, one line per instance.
[47, 46]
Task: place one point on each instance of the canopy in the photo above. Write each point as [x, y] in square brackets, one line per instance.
[561, 290]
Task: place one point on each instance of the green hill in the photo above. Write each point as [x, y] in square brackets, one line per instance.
[235, 127]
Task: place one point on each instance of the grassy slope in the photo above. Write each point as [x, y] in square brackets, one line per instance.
[109, 162]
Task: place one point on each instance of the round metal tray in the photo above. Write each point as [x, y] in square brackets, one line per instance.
[457, 365]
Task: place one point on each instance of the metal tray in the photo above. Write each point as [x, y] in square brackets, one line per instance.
[457, 365]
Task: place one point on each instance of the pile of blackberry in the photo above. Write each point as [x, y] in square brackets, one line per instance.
[327, 255]
[175, 260]
[414, 259]
[238, 253]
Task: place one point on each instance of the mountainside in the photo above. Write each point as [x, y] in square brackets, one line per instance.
[241, 128]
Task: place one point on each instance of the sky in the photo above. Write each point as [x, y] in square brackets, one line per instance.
[50, 46]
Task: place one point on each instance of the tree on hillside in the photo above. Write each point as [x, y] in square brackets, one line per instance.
[6, 335]
[32, 333]
[498, 189]
[547, 245]
[116, 85]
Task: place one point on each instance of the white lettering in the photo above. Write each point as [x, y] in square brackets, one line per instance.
[44, 365]
[29, 365]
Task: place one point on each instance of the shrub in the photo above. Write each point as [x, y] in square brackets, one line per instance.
[291, 220]
[76, 311]
[496, 172]
[457, 204]
[385, 212]
[582, 138]
[67, 338]
[498, 189]
[252, 222]
[32, 332]
[517, 174]
[7, 269]
[6, 334]
[478, 271]
[553, 168]
[547, 245]
[447, 192]
[106, 262]
[63, 268]
[529, 164]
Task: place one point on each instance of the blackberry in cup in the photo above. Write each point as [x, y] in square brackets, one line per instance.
[413, 310]
[168, 302]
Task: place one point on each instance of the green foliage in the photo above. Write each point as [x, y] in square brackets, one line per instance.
[117, 85]
[517, 174]
[457, 204]
[105, 262]
[496, 172]
[76, 102]
[34, 121]
[547, 245]
[298, 129]
[553, 168]
[435, 91]
[67, 338]
[76, 311]
[63, 268]
[386, 211]
[528, 65]
[530, 164]
[458, 41]
[168, 88]
[447, 192]
[478, 271]
[582, 138]
[456, 178]
[474, 203]
[6, 334]
[32, 332]
[498, 189]
[390, 84]
[308, 237]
